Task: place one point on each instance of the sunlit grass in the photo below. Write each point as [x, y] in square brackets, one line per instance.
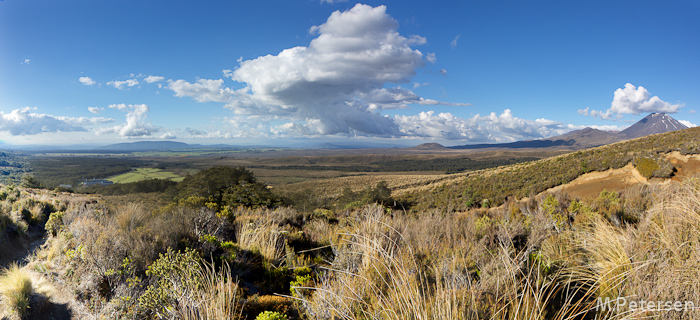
[141, 174]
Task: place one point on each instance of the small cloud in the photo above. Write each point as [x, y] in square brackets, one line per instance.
[453, 43]
[691, 111]
[417, 85]
[122, 84]
[152, 79]
[87, 81]
[168, 135]
[204, 90]
[333, 1]
[431, 57]
[26, 61]
[443, 72]
[95, 110]
[688, 123]
[195, 132]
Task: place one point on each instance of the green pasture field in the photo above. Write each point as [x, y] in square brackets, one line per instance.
[140, 174]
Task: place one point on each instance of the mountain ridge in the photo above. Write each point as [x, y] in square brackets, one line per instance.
[589, 137]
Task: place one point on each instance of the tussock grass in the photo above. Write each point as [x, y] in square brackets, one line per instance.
[15, 289]
[22, 292]
[263, 237]
[215, 299]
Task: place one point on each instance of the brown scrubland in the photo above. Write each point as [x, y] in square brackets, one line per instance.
[498, 243]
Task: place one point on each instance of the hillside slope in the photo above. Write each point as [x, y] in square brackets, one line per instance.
[494, 186]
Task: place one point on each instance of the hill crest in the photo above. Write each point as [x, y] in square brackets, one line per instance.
[653, 123]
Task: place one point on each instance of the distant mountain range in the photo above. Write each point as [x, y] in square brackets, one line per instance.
[589, 137]
[578, 139]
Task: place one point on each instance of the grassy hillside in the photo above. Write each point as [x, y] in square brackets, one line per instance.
[493, 187]
[551, 258]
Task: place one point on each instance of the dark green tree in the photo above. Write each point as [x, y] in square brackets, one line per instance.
[227, 186]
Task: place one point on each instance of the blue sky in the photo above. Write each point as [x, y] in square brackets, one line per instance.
[282, 72]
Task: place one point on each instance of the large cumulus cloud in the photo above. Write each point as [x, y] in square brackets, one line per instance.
[336, 85]
[633, 100]
[136, 124]
[341, 83]
[23, 122]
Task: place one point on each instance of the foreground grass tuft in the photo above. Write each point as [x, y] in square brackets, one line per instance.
[15, 289]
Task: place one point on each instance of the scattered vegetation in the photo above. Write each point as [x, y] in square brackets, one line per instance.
[225, 247]
[531, 178]
[54, 171]
[13, 166]
[446, 165]
[144, 186]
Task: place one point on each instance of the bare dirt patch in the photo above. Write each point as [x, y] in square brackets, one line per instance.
[686, 166]
[591, 184]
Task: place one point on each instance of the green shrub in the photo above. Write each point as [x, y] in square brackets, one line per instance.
[55, 223]
[271, 315]
[551, 208]
[646, 167]
[299, 285]
[173, 275]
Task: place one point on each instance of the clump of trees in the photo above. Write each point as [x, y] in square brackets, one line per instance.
[225, 188]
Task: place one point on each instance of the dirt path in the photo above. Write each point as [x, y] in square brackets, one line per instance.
[19, 249]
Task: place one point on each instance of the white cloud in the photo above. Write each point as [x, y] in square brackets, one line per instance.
[95, 110]
[431, 57]
[87, 81]
[453, 43]
[688, 123]
[168, 135]
[599, 127]
[26, 61]
[195, 132]
[152, 79]
[203, 90]
[333, 1]
[632, 100]
[490, 128]
[136, 125]
[443, 72]
[336, 85]
[23, 122]
[121, 84]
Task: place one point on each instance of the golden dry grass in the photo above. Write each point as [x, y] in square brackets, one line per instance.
[15, 289]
